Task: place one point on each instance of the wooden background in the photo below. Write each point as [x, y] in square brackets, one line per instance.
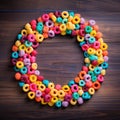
[59, 59]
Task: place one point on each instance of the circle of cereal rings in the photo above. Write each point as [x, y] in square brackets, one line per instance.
[90, 77]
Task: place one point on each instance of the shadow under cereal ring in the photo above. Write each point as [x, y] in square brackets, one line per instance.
[87, 81]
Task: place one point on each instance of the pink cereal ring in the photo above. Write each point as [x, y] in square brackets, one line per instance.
[100, 78]
[57, 13]
[45, 17]
[33, 22]
[74, 88]
[14, 61]
[33, 87]
[82, 32]
[47, 98]
[30, 70]
[56, 30]
[58, 86]
[96, 44]
[32, 59]
[85, 47]
[31, 37]
[68, 97]
[35, 44]
[33, 27]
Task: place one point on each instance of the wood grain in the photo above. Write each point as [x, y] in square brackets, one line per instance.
[59, 59]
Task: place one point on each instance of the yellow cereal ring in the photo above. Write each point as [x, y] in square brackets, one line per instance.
[80, 92]
[80, 38]
[100, 60]
[39, 37]
[93, 33]
[54, 99]
[65, 88]
[103, 72]
[27, 26]
[34, 66]
[29, 50]
[26, 87]
[76, 20]
[31, 95]
[22, 47]
[61, 93]
[33, 78]
[98, 52]
[24, 32]
[91, 91]
[63, 33]
[54, 92]
[73, 102]
[91, 51]
[17, 43]
[51, 85]
[43, 102]
[87, 60]
[53, 17]
[104, 46]
[65, 14]
[50, 104]
[41, 87]
[62, 27]
[19, 64]
[91, 67]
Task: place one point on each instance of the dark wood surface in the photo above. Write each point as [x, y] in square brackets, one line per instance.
[59, 59]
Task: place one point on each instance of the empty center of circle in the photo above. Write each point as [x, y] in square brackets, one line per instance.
[59, 59]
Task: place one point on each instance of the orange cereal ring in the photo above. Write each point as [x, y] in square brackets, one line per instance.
[96, 85]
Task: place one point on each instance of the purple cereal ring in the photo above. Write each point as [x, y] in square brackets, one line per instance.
[27, 62]
[65, 103]
[80, 100]
[87, 36]
[21, 53]
[49, 23]
[38, 93]
[37, 72]
[87, 77]
[106, 58]
[51, 33]
[92, 22]
[82, 21]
